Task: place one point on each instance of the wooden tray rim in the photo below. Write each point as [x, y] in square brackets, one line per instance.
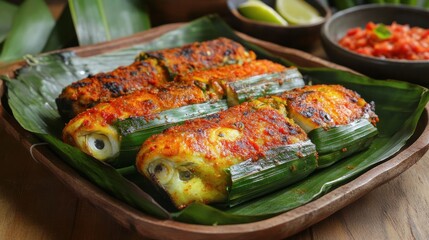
[282, 225]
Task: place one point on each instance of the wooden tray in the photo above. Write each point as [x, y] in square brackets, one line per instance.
[281, 226]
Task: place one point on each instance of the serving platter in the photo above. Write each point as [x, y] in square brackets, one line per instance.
[282, 225]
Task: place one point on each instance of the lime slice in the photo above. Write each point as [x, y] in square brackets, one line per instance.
[297, 11]
[259, 11]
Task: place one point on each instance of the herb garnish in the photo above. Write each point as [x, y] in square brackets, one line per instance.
[382, 32]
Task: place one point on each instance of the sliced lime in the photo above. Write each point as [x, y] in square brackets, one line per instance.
[297, 11]
[259, 11]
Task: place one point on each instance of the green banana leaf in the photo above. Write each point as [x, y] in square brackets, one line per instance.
[31, 26]
[63, 35]
[103, 20]
[31, 99]
[7, 11]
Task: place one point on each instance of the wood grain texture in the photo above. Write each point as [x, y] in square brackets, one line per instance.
[41, 209]
[34, 204]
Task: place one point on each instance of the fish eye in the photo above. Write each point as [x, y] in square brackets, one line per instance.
[159, 168]
[99, 146]
[161, 171]
[186, 175]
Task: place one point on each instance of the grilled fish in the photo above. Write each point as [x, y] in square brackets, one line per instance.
[338, 121]
[200, 56]
[325, 106]
[188, 162]
[150, 70]
[102, 87]
[92, 130]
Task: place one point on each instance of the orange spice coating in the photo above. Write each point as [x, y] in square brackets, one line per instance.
[217, 77]
[101, 87]
[242, 132]
[142, 103]
[151, 69]
[201, 55]
[327, 106]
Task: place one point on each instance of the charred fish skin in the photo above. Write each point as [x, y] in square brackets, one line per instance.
[337, 120]
[102, 87]
[325, 106]
[215, 81]
[200, 56]
[92, 131]
[150, 70]
[188, 162]
[217, 78]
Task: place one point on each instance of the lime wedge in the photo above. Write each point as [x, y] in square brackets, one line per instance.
[297, 11]
[259, 11]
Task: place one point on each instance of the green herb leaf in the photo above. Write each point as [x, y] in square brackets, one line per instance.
[382, 32]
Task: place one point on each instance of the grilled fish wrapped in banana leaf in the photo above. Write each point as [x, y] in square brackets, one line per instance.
[228, 81]
[93, 132]
[336, 119]
[131, 119]
[151, 69]
[199, 161]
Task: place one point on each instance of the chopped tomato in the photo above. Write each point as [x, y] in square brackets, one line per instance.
[405, 42]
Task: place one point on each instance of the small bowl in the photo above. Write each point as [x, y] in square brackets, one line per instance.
[415, 71]
[298, 36]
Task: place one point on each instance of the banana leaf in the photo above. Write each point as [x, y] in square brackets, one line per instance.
[63, 35]
[31, 99]
[31, 26]
[7, 11]
[103, 20]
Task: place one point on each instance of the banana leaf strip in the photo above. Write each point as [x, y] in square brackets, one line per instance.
[330, 158]
[332, 139]
[31, 95]
[338, 142]
[262, 85]
[132, 125]
[279, 167]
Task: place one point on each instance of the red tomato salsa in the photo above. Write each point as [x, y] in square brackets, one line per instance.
[393, 41]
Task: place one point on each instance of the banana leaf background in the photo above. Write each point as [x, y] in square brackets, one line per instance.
[81, 22]
[31, 97]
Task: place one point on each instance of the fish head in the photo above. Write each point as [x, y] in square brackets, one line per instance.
[187, 180]
[99, 141]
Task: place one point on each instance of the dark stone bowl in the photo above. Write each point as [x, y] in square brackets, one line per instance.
[405, 70]
[299, 36]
